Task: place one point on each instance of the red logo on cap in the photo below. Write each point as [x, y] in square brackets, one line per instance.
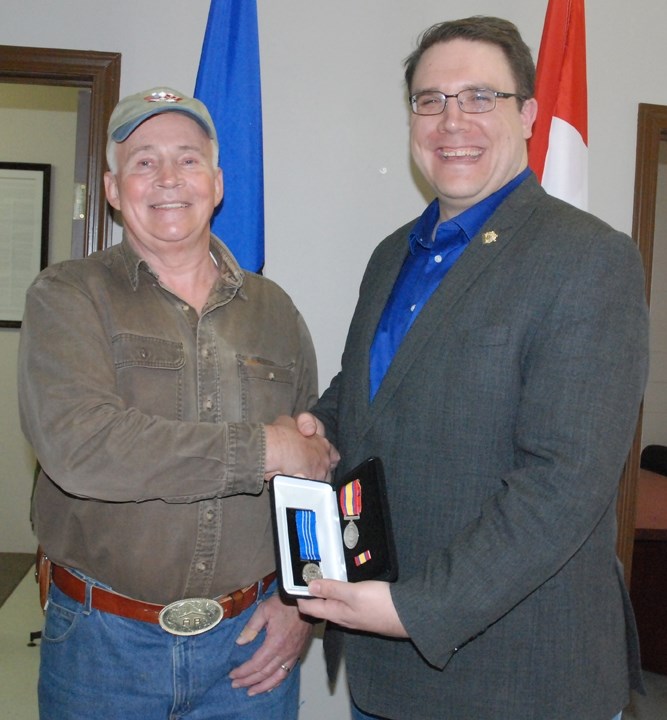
[163, 97]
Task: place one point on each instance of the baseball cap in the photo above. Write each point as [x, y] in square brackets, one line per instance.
[132, 110]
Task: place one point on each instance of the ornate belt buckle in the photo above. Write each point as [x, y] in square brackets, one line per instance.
[191, 616]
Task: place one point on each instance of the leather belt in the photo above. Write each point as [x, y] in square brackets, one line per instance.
[108, 601]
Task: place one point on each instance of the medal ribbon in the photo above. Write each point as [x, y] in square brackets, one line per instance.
[349, 498]
[363, 558]
[305, 528]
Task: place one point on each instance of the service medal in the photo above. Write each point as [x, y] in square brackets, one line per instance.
[311, 571]
[351, 535]
[306, 528]
[349, 499]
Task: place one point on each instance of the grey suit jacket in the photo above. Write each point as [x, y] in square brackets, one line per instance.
[503, 424]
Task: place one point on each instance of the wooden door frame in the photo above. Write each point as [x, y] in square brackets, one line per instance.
[651, 130]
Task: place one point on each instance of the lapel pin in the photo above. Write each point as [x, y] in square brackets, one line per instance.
[489, 237]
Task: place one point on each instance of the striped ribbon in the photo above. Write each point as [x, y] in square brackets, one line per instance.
[306, 530]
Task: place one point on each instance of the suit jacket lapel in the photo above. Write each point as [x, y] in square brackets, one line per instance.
[484, 249]
[369, 310]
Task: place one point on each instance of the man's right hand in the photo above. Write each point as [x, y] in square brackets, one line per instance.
[299, 449]
[309, 425]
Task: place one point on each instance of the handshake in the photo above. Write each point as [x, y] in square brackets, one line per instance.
[298, 447]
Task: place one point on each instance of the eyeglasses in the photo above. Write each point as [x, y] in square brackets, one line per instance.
[478, 100]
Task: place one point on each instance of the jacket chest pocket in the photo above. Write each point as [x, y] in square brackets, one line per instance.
[267, 389]
[149, 373]
[479, 362]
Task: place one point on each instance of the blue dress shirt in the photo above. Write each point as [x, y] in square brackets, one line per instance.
[429, 258]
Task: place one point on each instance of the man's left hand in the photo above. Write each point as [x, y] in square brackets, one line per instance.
[287, 634]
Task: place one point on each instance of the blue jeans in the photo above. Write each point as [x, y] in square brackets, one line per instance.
[98, 665]
[359, 715]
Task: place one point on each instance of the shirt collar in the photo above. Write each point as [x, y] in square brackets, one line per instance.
[470, 221]
[231, 274]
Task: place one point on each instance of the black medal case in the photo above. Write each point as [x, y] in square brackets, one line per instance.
[352, 545]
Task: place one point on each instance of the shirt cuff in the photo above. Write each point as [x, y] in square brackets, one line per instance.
[246, 452]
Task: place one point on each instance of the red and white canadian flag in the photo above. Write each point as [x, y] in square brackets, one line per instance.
[558, 149]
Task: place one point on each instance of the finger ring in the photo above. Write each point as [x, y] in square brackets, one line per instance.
[286, 668]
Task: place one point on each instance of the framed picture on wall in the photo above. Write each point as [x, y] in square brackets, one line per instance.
[24, 233]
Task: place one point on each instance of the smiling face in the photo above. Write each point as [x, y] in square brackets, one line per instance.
[165, 185]
[466, 157]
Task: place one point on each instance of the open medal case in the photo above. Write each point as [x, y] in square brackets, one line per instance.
[340, 532]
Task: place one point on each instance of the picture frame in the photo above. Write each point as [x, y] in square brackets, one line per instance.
[25, 190]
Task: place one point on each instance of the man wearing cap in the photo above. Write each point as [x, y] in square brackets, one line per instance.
[156, 379]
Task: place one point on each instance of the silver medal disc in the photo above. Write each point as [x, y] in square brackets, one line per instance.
[351, 535]
[191, 616]
[311, 571]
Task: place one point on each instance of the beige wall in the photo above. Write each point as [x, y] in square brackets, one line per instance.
[38, 125]
[654, 427]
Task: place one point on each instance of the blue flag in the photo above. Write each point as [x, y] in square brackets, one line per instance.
[228, 83]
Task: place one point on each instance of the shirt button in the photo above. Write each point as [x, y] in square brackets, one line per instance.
[438, 258]
[205, 352]
[209, 404]
[185, 307]
[412, 308]
[201, 566]
[210, 515]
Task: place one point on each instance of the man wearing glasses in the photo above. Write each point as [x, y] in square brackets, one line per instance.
[495, 363]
